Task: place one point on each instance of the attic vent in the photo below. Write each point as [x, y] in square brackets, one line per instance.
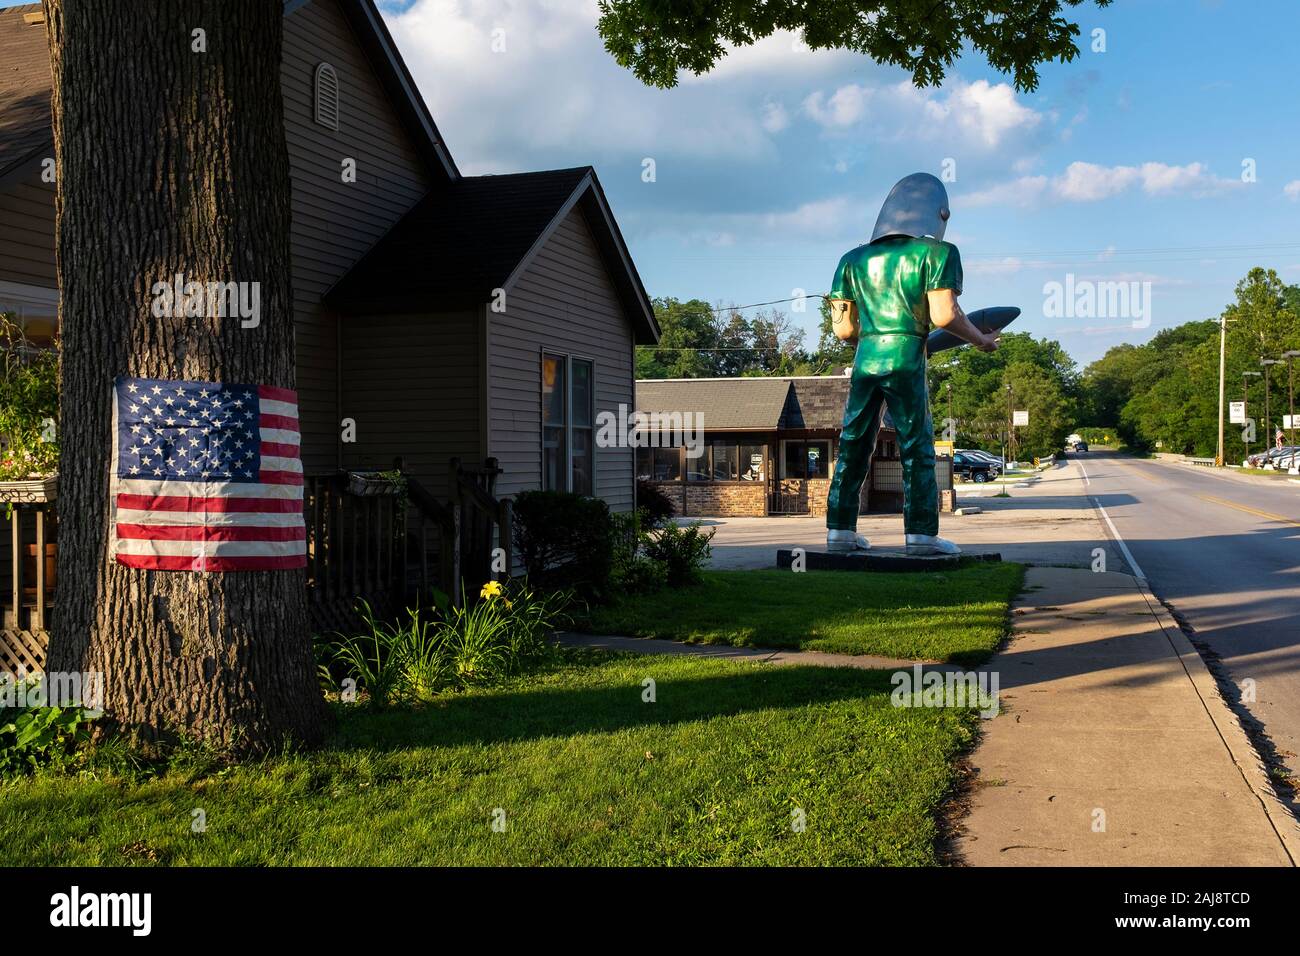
[327, 96]
[33, 18]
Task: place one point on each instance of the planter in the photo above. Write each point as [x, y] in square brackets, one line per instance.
[29, 491]
[369, 484]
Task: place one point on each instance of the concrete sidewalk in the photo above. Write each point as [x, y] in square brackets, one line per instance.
[1114, 747]
[1050, 522]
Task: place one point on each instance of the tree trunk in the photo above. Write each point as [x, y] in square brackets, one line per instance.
[171, 160]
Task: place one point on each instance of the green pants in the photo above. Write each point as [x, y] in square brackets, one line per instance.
[887, 368]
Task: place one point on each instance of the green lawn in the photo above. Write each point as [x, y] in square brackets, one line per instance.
[957, 616]
[584, 770]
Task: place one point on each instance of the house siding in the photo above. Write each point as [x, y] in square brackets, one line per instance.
[334, 222]
[411, 382]
[27, 233]
[563, 303]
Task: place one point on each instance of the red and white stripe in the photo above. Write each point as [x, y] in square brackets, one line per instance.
[171, 525]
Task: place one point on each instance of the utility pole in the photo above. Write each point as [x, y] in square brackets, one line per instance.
[952, 422]
[1265, 363]
[1245, 403]
[1223, 349]
[1290, 388]
[1011, 432]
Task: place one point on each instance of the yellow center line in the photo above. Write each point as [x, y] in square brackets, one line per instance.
[1254, 511]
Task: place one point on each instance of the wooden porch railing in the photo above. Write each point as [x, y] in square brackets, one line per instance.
[26, 585]
[391, 550]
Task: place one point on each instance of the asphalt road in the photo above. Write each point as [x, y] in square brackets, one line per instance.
[1225, 553]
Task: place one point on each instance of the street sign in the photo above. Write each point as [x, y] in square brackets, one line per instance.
[1291, 421]
[1020, 418]
[1237, 413]
[944, 449]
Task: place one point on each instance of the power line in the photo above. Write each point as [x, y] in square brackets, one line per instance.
[755, 305]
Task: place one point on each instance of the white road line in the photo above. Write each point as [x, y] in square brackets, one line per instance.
[1128, 555]
[1085, 474]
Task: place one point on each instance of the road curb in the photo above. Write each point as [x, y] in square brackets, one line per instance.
[1248, 760]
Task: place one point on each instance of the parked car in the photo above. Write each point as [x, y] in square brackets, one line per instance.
[1081, 445]
[1271, 458]
[995, 460]
[966, 467]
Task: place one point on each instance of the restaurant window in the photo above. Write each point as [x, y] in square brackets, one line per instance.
[658, 464]
[727, 461]
[568, 437]
[807, 459]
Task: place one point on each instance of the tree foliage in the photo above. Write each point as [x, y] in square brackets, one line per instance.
[1044, 381]
[1165, 393]
[661, 39]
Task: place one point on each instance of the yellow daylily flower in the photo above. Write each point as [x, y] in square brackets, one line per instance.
[490, 590]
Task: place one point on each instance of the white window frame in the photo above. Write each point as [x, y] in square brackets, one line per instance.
[567, 360]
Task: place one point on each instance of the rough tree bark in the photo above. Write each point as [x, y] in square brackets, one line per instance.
[171, 158]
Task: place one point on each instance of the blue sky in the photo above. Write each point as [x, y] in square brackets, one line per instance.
[1125, 165]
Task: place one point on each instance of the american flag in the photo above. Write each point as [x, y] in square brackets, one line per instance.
[206, 476]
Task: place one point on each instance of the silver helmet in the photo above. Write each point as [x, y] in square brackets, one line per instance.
[916, 206]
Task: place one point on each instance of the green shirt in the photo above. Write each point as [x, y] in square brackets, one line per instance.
[888, 279]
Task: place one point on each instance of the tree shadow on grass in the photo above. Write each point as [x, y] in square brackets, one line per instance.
[556, 709]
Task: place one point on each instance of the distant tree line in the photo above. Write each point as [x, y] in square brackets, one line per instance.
[1165, 393]
[1162, 394]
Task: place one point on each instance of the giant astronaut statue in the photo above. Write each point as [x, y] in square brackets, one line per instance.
[886, 293]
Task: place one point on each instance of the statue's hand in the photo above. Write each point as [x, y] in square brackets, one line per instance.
[990, 343]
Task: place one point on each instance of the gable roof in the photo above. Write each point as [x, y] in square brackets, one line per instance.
[752, 403]
[725, 404]
[467, 238]
[26, 130]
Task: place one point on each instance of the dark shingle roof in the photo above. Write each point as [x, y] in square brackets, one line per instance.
[25, 85]
[460, 242]
[801, 402]
[816, 402]
[724, 403]
[469, 237]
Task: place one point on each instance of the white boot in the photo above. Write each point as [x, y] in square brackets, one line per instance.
[845, 541]
[929, 544]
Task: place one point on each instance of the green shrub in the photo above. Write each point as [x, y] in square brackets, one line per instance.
[504, 632]
[658, 507]
[36, 737]
[640, 575]
[29, 405]
[682, 551]
[564, 541]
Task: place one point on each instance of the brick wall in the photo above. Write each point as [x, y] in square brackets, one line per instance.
[721, 500]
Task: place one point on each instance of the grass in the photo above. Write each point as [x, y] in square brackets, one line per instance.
[585, 772]
[957, 616]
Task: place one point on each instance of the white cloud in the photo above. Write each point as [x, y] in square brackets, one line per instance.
[1024, 191]
[1090, 182]
[978, 113]
[555, 91]
[845, 107]
[1292, 190]
[775, 117]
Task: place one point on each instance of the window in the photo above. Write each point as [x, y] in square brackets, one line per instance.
[658, 464]
[584, 448]
[807, 459]
[568, 419]
[327, 96]
[727, 461]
